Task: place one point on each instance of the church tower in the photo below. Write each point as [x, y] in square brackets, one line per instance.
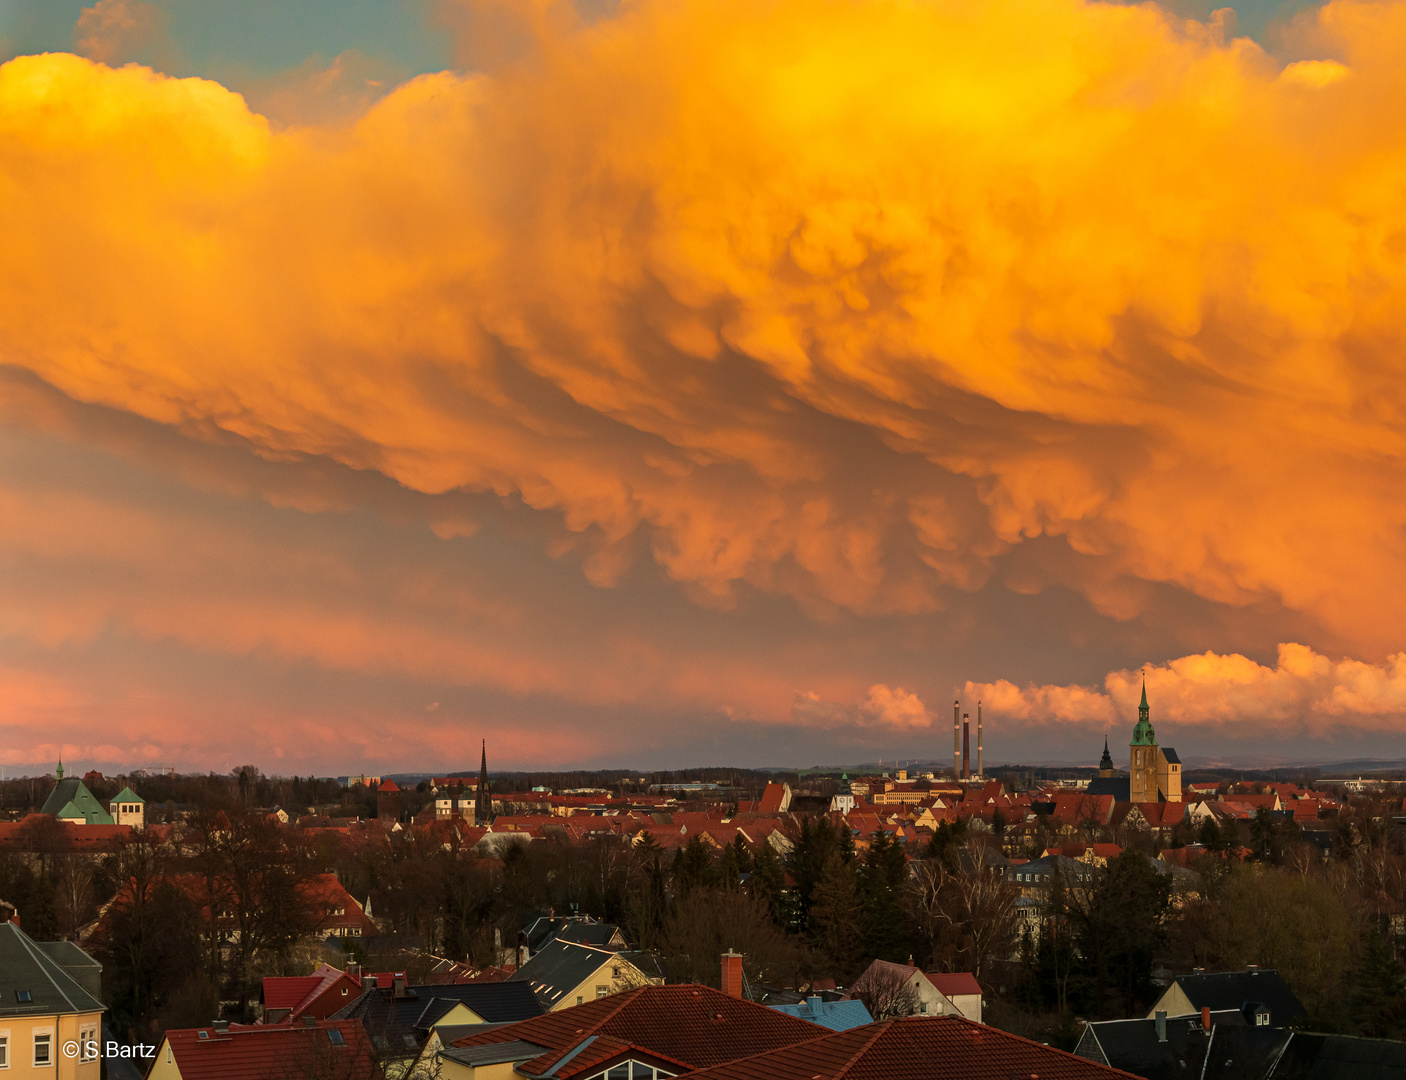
[1142, 756]
[483, 803]
[1105, 763]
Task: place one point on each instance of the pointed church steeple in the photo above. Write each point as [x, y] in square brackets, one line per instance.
[58, 773]
[1143, 734]
[1105, 765]
[482, 804]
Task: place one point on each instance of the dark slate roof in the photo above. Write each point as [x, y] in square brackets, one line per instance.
[73, 790]
[1170, 755]
[1120, 787]
[399, 1025]
[1133, 1046]
[560, 966]
[24, 966]
[1339, 1057]
[494, 1053]
[1234, 989]
[77, 965]
[589, 933]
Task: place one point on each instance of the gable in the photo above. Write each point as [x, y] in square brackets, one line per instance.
[459, 1014]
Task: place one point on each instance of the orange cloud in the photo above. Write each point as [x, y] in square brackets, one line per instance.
[835, 301]
[1304, 694]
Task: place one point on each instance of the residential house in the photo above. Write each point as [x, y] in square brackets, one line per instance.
[961, 989]
[1210, 1044]
[889, 989]
[1261, 995]
[336, 912]
[325, 1049]
[563, 973]
[650, 1033]
[400, 1018]
[288, 999]
[912, 1048]
[44, 1008]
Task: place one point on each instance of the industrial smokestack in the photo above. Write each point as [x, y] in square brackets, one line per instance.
[956, 740]
[966, 746]
[980, 761]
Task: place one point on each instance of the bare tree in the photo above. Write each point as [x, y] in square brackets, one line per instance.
[966, 908]
[887, 990]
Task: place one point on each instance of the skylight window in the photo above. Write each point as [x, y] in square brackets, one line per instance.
[335, 1037]
[24, 997]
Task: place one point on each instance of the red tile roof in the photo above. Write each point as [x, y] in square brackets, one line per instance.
[954, 982]
[286, 992]
[914, 1048]
[696, 1026]
[770, 802]
[256, 1052]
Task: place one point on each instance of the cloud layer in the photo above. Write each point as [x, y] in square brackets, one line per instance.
[1303, 694]
[863, 308]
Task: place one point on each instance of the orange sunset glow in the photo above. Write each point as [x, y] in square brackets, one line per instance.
[706, 381]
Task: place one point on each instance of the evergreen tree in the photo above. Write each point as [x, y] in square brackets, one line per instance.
[769, 882]
[694, 867]
[1379, 996]
[881, 876]
[835, 926]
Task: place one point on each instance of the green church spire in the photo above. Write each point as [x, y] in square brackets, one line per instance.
[58, 773]
[1143, 734]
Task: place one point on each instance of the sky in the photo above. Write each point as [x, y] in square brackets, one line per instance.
[698, 382]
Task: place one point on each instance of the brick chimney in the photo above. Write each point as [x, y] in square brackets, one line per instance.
[732, 974]
[1205, 1018]
[398, 984]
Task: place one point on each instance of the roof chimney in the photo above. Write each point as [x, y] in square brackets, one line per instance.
[732, 974]
[1252, 969]
[1205, 1018]
[398, 984]
[221, 1027]
[814, 1002]
[368, 983]
[354, 970]
[1161, 1021]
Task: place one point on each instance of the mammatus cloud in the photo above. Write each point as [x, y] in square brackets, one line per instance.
[698, 270]
[1305, 693]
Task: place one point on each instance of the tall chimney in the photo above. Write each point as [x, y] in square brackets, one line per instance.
[956, 740]
[732, 974]
[980, 761]
[966, 746]
[1205, 1018]
[1160, 1022]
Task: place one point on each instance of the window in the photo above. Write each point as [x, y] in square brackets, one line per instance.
[5, 1051]
[579, 999]
[335, 1037]
[44, 1049]
[602, 991]
[24, 997]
